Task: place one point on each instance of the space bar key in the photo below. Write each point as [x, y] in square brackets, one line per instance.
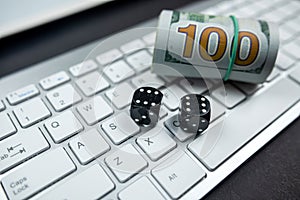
[246, 121]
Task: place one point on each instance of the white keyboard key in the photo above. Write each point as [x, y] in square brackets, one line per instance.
[149, 39]
[83, 68]
[151, 49]
[20, 147]
[163, 112]
[248, 88]
[285, 33]
[290, 7]
[31, 112]
[94, 110]
[63, 126]
[22, 94]
[7, 127]
[296, 74]
[195, 85]
[126, 162]
[37, 174]
[292, 48]
[283, 61]
[141, 189]
[121, 95]
[120, 127]
[140, 61]
[147, 79]
[89, 146]
[90, 179]
[2, 106]
[63, 97]
[222, 140]
[274, 74]
[229, 96]
[54, 80]
[178, 176]
[172, 96]
[132, 46]
[273, 16]
[293, 24]
[92, 83]
[217, 109]
[156, 143]
[173, 125]
[118, 71]
[109, 57]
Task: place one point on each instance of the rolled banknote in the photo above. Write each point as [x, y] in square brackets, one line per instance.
[196, 45]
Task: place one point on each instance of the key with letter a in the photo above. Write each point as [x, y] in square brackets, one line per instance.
[89, 146]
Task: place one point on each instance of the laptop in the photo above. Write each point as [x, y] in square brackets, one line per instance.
[66, 132]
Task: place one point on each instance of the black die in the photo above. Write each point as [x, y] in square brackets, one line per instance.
[195, 113]
[145, 105]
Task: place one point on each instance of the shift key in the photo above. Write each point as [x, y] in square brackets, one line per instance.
[20, 147]
[37, 174]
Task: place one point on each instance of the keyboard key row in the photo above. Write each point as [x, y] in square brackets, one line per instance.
[7, 127]
[20, 147]
[37, 174]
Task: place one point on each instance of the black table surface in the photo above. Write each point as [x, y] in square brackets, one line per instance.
[272, 173]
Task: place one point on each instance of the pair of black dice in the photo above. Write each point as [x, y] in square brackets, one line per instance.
[194, 113]
[145, 106]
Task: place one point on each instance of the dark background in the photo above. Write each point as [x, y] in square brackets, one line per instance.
[272, 173]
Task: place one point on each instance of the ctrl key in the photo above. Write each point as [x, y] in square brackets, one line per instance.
[178, 175]
[37, 174]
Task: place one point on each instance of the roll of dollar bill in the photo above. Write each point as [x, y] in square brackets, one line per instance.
[195, 45]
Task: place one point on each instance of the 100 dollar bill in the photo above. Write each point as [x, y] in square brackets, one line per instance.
[195, 45]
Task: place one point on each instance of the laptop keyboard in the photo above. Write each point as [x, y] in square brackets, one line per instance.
[69, 136]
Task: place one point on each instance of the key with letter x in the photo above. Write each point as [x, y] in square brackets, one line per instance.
[156, 143]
